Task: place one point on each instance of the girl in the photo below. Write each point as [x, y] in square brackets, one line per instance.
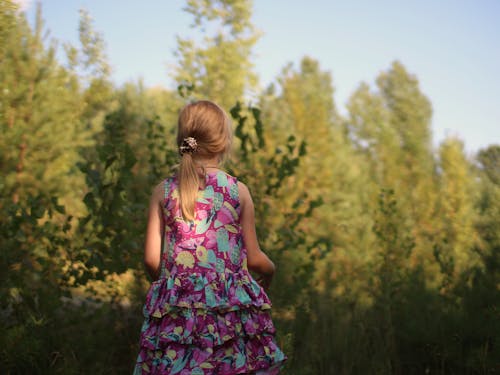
[204, 313]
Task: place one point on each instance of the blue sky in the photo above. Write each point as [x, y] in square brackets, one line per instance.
[452, 46]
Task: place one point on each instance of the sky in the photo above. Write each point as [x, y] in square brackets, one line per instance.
[451, 46]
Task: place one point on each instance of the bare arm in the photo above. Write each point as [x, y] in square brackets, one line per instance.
[154, 233]
[257, 260]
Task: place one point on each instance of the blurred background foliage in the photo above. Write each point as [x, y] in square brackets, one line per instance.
[387, 248]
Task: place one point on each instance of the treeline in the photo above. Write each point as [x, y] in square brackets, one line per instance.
[387, 248]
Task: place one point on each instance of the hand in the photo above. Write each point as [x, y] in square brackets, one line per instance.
[264, 281]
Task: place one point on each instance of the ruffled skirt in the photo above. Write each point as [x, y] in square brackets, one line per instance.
[208, 324]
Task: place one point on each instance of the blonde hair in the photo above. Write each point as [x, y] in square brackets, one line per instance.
[209, 125]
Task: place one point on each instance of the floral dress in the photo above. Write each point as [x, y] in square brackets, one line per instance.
[206, 314]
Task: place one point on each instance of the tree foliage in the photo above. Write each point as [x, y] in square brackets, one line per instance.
[218, 65]
[41, 128]
[387, 249]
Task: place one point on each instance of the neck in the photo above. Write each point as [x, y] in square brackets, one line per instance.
[208, 163]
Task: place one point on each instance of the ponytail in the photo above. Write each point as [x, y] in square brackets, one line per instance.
[189, 182]
[204, 132]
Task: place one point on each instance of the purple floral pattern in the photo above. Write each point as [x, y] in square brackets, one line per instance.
[206, 314]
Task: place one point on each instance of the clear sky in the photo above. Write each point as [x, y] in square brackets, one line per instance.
[452, 46]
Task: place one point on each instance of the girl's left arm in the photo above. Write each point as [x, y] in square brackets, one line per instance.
[257, 260]
[154, 234]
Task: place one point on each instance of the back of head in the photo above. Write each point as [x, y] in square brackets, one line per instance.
[203, 133]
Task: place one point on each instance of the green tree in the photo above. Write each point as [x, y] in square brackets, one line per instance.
[8, 20]
[391, 128]
[147, 113]
[373, 136]
[331, 169]
[410, 116]
[489, 163]
[305, 108]
[39, 109]
[308, 94]
[88, 63]
[219, 65]
[394, 246]
[488, 202]
[456, 209]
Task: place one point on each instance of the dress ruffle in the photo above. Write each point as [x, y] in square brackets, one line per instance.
[206, 328]
[210, 290]
[257, 355]
[219, 321]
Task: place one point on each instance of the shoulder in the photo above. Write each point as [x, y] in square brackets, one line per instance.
[157, 193]
[161, 190]
[244, 193]
[243, 189]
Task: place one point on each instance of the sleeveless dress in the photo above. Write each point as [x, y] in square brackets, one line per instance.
[206, 314]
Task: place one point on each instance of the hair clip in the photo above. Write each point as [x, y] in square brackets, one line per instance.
[189, 145]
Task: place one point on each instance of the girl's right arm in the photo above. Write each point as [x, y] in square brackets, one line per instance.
[257, 260]
[154, 233]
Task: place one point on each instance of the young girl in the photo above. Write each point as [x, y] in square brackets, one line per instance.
[204, 313]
